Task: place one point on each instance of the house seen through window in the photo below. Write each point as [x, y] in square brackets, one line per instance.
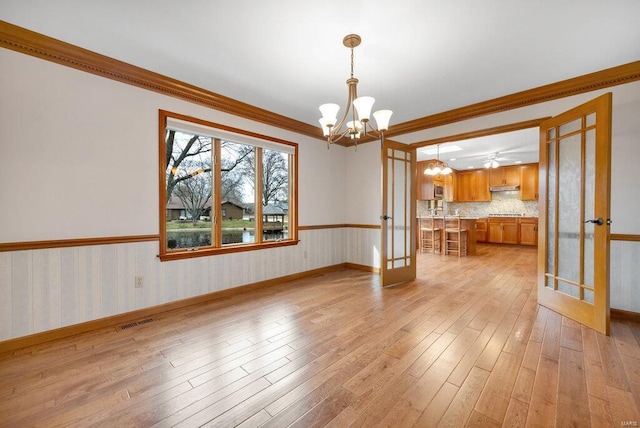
[224, 189]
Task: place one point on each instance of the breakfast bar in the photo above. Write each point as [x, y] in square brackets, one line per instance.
[466, 223]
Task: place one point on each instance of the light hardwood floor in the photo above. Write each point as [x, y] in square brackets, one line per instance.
[464, 345]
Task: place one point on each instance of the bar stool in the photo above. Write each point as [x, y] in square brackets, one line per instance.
[455, 236]
[430, 235]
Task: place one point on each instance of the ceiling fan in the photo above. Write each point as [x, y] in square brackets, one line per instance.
[494, 160]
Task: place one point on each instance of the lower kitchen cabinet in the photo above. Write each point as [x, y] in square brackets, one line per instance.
[529, 231]
[503, 230]
[481, 230]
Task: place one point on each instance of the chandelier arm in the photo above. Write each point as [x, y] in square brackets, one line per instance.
[353, 93]
[372, 131]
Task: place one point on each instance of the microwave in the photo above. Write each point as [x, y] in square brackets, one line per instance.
[438, 191]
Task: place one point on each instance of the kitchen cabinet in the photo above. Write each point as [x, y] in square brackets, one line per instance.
[425, 184]
[529, 231]
[481, 229]
[505, 176]
[473, 186]
[503, 230]
[529, 182]
[450, 191]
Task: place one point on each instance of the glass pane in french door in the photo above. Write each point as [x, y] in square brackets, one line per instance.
[399, 244]
[589, 212]
[551, 204]
[390, 199]
[569, 200]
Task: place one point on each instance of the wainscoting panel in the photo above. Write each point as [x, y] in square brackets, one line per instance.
[363, 246]
[46, 289]
[625, 275]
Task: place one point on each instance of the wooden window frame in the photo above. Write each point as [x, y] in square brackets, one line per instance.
[251, 138]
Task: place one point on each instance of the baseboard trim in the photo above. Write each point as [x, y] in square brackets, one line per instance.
[625, 315]
[116, 320]
[362, 267]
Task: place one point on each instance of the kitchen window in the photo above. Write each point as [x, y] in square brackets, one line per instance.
[223, 189]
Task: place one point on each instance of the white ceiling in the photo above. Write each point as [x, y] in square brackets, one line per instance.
[507, 149]
[417, 57]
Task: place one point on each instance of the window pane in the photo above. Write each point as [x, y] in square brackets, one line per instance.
[211, 195]
[189, 190]
[275, 194]
[237, 194]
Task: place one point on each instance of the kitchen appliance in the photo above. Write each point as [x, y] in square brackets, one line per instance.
[438, 191]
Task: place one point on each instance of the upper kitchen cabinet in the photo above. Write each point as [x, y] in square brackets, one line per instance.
[424, 185]
[473, 186]
[505, 176]
[429, 187]
[529, 182]
[450, 188]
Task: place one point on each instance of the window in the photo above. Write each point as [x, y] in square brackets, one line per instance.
[223, 189]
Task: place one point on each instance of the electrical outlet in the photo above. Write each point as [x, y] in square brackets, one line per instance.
[139, 281]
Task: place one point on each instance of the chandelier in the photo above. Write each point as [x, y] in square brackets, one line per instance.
[438, 167]
[358, 110]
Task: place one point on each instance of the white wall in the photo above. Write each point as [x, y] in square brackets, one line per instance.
[81, 155]
[80, 160]
[363, 184]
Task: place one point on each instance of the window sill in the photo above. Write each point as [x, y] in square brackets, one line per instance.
[188, 254]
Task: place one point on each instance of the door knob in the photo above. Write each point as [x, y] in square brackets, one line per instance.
[597, 221]
[385, 217]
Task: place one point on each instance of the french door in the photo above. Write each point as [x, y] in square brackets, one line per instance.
[575, 176]
[398, 240]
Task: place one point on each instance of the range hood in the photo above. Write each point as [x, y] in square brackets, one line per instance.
[503, 188]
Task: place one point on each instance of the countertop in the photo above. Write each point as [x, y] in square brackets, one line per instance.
[450, 216]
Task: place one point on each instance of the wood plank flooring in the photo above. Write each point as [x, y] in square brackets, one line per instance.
[464, 345]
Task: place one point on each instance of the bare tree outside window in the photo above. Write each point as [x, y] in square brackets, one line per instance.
[275, 176]
[184, 150]
[234, 158]
[206, 174]
[196, 193]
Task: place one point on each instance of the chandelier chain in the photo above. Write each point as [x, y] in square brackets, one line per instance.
[352, 62]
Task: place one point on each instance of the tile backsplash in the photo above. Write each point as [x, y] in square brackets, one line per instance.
[501, 203]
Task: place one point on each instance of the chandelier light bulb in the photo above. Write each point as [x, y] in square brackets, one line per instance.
[354, 126]
[326, 131]
[363, 106]
[382, 118]
[329, 113]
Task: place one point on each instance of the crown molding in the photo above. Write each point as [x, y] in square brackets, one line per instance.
[483, 132]
[38, 45]
[614, 76]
